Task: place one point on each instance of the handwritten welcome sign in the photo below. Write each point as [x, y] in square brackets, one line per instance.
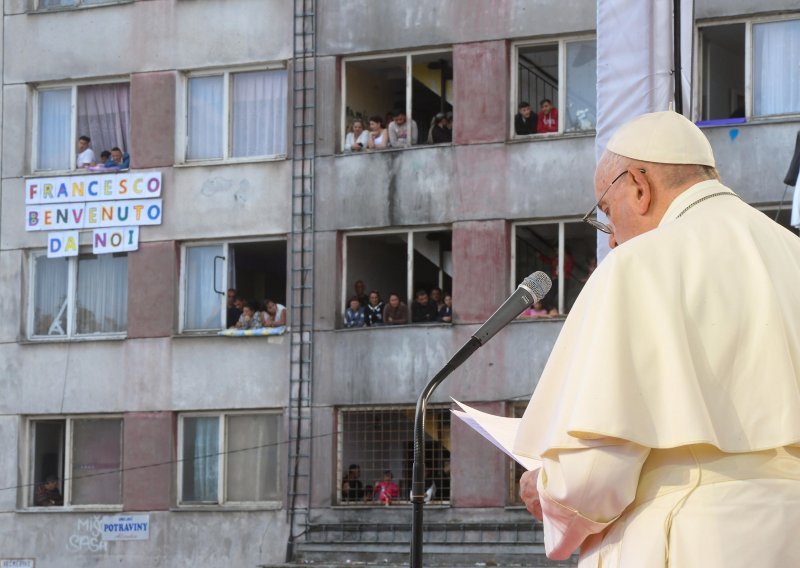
[108, 187]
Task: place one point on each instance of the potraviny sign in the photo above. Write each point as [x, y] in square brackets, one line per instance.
[112, 205]
[125, 527]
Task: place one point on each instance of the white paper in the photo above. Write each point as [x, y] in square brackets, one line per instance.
[499, 430]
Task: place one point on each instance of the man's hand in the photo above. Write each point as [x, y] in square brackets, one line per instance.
[530, 494]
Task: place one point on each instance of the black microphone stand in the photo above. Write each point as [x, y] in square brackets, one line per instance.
[418, 471]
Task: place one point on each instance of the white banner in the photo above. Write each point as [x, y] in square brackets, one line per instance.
[126, 527]
[62, 243]
[87, 188]
[93, 215]
[119, 239]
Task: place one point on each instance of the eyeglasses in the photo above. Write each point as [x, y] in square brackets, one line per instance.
[603, 227]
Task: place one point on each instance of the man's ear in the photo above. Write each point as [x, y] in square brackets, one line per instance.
[644, 190]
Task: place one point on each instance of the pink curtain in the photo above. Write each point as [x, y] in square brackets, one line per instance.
[104, 116]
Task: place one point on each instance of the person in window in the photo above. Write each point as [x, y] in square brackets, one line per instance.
[47, 493]
[105, 156]
[548, 117]
[377, 137]
[436, 297]
[118, 159]
[354, 315]
[356, 140]
[274, 314]
[525, 121]
[440, 134]
[537, 310]
[233, 313]
[250, 318]
[400, 134]
[361, 292]
[396, 313]
[373, 311]
[352, 488]
[386, 490]
[446, 311]
[85, 157]
[423, 310]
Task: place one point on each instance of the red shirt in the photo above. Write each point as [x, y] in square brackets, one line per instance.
[548, 122]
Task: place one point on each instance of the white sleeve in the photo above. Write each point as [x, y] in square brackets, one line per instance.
[583, 491]
[348, 142]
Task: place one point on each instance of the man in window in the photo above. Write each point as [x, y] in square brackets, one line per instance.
[548, 117]
[423, 309]
[121, 159]
[399, 135]
[666, 423]
[85, 153]
[47, 493]
[525, 121]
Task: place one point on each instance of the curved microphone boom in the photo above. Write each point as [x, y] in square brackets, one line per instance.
[530, 291]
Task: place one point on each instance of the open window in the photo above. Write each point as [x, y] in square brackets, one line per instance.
[75, 462]
[556, 248]
[398, 263]
[419, 84]
[255, 271]
[99, 112]
[374, 441]
[722, 57]
[558, 80]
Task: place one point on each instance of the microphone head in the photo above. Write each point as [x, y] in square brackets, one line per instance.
[539, 284]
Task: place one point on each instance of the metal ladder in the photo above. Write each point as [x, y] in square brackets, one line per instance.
[301, 348]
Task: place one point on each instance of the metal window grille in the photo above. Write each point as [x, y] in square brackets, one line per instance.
[373, 441]
[515, 470]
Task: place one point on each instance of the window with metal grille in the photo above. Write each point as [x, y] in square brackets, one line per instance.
[515, 470]
[376, 454]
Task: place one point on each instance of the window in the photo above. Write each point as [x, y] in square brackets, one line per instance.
[555, 248]
[374, 441]
[229, 458]
[81, 296]
[761, 53]
[564, 73]
[419, 84]
[75, 461]
[398, 263]
[236, 115]
[64, 114]
[50, 4]
[515, 470]
[255, 270]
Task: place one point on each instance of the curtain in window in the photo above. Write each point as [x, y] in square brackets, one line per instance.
[205, 116]
[581, 86]
[252, 471]
[104, 116]
[202, 303]
[54, 137]
[102, 294]
[200, 459]
[259, 113]
[50, 296]
[776, 85]
[96, 462]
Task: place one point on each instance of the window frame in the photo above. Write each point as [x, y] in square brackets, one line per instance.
[409, 55]
[36, 88]
[222, 461]
[72, 291]
[182, 116]
[699, 74]
[562, 86]
[29, 487]
[183, 278]
[345, 287]
[79, 5]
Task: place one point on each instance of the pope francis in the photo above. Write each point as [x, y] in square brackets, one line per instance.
[667, 419]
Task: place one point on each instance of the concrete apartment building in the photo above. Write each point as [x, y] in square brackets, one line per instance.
[217, 451]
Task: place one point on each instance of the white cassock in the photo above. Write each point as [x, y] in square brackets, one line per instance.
[667, 418]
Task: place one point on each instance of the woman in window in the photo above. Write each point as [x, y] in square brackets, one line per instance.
[378, 138]
[374, 309]
[356, 140]
[274, 314]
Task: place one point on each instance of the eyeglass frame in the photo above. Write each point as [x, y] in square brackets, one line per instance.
[600, 226]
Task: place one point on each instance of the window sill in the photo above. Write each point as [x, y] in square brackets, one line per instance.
[231, 161]
[62, 173]
[209, 334]
[39, 340]
[73, 509]
[515, 139]
[406, 148]
[400, 326]
[232, 508]
[83, 7]
[558, 318]
[753, 121]
[394, 505]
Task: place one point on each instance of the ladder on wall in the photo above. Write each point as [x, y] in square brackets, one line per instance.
[301, 302]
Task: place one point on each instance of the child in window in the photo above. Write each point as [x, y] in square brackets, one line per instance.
[387, 489]
[250, 318]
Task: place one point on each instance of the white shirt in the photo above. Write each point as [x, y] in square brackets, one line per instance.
[85, 158]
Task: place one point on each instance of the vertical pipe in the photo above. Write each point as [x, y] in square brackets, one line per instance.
[676, 55]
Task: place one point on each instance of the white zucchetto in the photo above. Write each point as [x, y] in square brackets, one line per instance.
[663, 137]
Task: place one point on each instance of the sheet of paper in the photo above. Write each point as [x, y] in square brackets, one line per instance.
[499, 430]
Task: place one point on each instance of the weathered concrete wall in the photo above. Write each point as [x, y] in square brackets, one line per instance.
[11, 294]
[148, 439]
[153, 290]
[480, 84]
[362, 26]
[9, 469]
[152, 140]
[178, 540]
[148, 36]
